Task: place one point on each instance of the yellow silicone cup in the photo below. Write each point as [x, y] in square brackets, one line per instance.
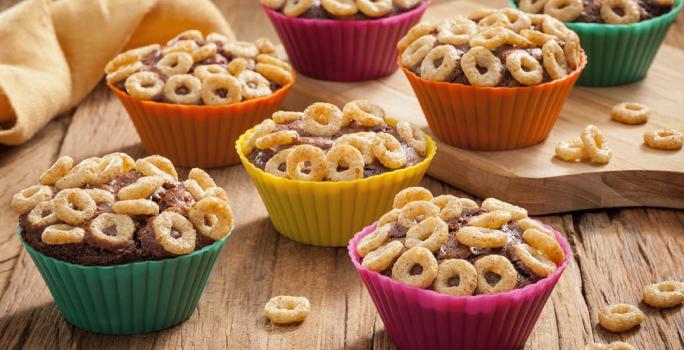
[330, 213]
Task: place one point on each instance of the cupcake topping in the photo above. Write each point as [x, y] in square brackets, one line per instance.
[598, 11]
[341, 9]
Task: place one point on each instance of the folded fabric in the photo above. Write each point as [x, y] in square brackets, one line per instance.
[54, 53]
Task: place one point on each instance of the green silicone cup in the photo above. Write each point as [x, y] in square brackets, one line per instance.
[130, 298]
[620, 54]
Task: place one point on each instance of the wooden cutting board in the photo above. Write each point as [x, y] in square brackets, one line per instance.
[532, 177]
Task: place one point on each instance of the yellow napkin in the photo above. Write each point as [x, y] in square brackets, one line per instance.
[53, 53]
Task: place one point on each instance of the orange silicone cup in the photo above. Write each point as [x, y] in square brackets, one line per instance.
[197, 136]
[492, 118]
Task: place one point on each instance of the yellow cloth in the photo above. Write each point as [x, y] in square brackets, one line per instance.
[53, 53]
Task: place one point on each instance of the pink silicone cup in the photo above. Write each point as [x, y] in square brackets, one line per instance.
[344, 50]
[423, 319]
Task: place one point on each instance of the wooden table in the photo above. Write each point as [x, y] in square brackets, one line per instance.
[616, 253]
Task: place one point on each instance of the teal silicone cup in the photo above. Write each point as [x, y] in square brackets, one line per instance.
[130, 298]
[620, 54]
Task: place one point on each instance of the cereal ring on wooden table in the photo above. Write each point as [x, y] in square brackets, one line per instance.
[532, 6]
[480, 237]
[493, 204]
[218, 38]
[264, 128]
[268, 59]
[168, 224]
[243, 49]
[374, 8]
[100, 196]
[236, 66]
[572, 151]
[411, 194]
[344, 156]
[381, 258]
[306, 153]
[284, 117]
[123, 226]
[545, 243]
[265, 46]
[481, 13]
[564, 10]
[556, 28]
[456, 31]
[450, 207]
[285, 309]
[74, 206]
[212, 216]
[136, 207]
[415, 33]
[183, 89]
[535, 260]
[596, 145]
[221, 90]
[274, 73]
[203, 52]
[414, 54]
[554, 59]
[121, 60]
[322, 119]
[123, 72]
[195, 189]
[440, 63]
[524, 68]
[490, 38]
[430, 233]
[495, 19]
[340, 8]
[407, 4]
[157, 166]
[628, 11]
[278, 161]
[630, 113]
[202, 178]
[42, 215]
[273, 4]
[62, 234]
[620, 317]
[144, 85]
[536, 37]
[616, 345]
[527, 223]
[415, 212]
[362, 141]
[363, 112]
[500, 266]
[493, 219]
[387, 149]
[374, 240]
[413, 136]
[254, 85]
[516, 39]
[56, 171]
[664, 294]
[456, 277]
[518, 20]
[665, 139]
[480, 57]
[175, 63]
[141, 188]
[416, 259]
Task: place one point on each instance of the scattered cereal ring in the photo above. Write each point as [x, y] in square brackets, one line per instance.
[536, 37]
[57, 171]
[121, 60]
[430, 233]
[144, 85]
[180, 46]
[74, 206]
[265, 46]
[42, 215]
[544, 242]
[307, 153]
[616, 345]
[628, 11]
[596, 145]
[285, 309]
[524, 68]
[141, 188]
[414, 54]
[62, 234]
[342, 156]
[374, 8]
[571, 151]
[440, 63]
[535, 260]
[183, 89]
[390, 217]
[165, 224]
[480, 57]
[361, 141]
[157, 166]
[123, 229]
[221, 90]
[204, 52]
[411, 194]
[456, 277]
[274, 73]
[123, 72]
[620, 317]
[373, 240]
[363, 112]
[665, 139]
[284, 117]
[202, 178]
[277, 162]
[518, 20]
[456, 31]
[212, 217]
[387, 149]
[450, 207]
[263, 128]
[493, 204]
[415, 212]
[490, 38]
[564, 10]
[664, 294]
[532, 6]
[380, 259]
[322, 119]
[480, 237]
[273, 4]
[245, 49]
[417, 267]
[175, 63]
[415, 33]
[136, 207]
[254, 85]
[237, 65]
[205, 71]
[340, 8]
[493, 219]
[29, 197]
[500, 266]
[554, 60]
[268, 59]
[630, 113]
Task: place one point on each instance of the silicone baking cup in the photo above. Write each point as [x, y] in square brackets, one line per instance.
[197, 136]
[328, 213]
[492, 118]
[620, 54]
[417, 318]
[130, 298]
[344, 50]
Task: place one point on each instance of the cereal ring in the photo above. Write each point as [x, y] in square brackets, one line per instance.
[664, 294]
[285, 309]
[456, 277]
[536, 37]
[545, 243]
[534, 260]
[205, 71]
[237, 65]
[524, 68]
[264, 128]
[518, 20]
[183, 89]
[322, 119]
[106, 170]
[390, 217]
[374, 8]
[480, 57]
[191, 35]
[121, 60]
[619, 345]
[221, 90]
[340, 8]
[29, 197]
[244, 49]
[62, 234]
[630, 113]
[175, 63]
[527, 223]
[204, 52]
[556, 28]
[564, 10]
[414, 54]
[277, 162]
[387, 149]
[363, 112]
[665, 139]
[303, 154]
[195, 189]
[493, 204]
[515, 39]
[268, 59]
[380, 259]
[274, 73]
[144, 85]
[254, 85]
[128, 162]
[532, 6]
[480, 237]
[493, 219]
[596, 145]
[212, 217]
[294, 8]
[362, 141]
[450, 207]
[500, 266]
[278, 138]
[218, 38]
[573, 52]
[265, 46]
[468, 203]
[284, 117]
[494, 19]
[417, 267]
[440, 63]
[180, 46]
[157, 165]
[415, 33]
[342, 156]
[74, 206]
[217, 192]
[202, 178]
[136, 207]
[415, 212]
[123, 229]
[490, 38]
[273, 4]
[373, 240]
[141, 188]
[629, 11]
[430, 233]
[100, 196]
[57, 171]
[76, 177]
[481, 13]
[537, 19]
[571, 151]
[411, 194]
[168, 224]
[123, 72]
[456, 31]
[406, 4]
[620, 317]
[42, 215]
[554, 60]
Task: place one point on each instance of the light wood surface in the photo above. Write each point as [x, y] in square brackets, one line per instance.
[616, 252]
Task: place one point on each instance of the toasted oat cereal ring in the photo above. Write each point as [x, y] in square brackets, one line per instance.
[284, 117]
[62, 234]
[363, 112]
[493, 219]
[468, 203]
[74, 206]
[630, 113]
[277, 162]
[572, 151]
[619, 345]
[100, 196]
[416, 267]
[628, 11]
[418, 31]
[183, 89]
[515, 39]
[278, 138]
[572, 52]
[144, 85]
[406, 4]
[340, 8]
[411, 194]
[242, 48]
[374, 8]
[191, 34]
[195, 189]
[344, 156]
[166, 224]
[374, 240]
[665, 139]
[391, 217]
[157, 165]
[381, 258]
[524, 68]
[480, 57]
[294, 8]
[664, 294]
[237, 65]
[532, 6]
[302, 154]
[596, 145]
[387, 149]
[456, 277]
[497, 265]
[136, 207]
[414, 54]
[217, 192]
[128, 162]
[456, 31]
[221, 90]
[490, 38]
[493, 204]
[141, 188]
[180, 46]
[175, 63]
[212, 216]
[527, 223]
[274, 73]
[76, 177]
[285, 309]
[620, 317]
[57, 171]
[556, 28]
[105, 171]
[121, 60]
[450, 207]
[122, 225]
[537, 19]
[415, 212]
[264, 128]
[254, 85]
[480, 13]
[202, 178]
[518, 20]
[554, 60]
[480, 237]
[535, 260]
[123, 72]
[362, 141]
[268, 59]
[564, 10]
[322, 119]
[494, 19]
[218, 38]
[430, 233]
[536, 37]
[42, 215]
[204, 52]
[265, 46]
[273, 4]
[545, 243]
[440, 63]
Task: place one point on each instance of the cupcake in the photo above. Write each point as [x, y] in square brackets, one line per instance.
[447, 273]
[190, 99]
[123, 246]
[494, 81]
[325, 173]
[621, 37]
[343, 40]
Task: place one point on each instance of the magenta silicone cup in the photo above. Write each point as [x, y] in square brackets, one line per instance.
[344, 50]
[424, 319]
